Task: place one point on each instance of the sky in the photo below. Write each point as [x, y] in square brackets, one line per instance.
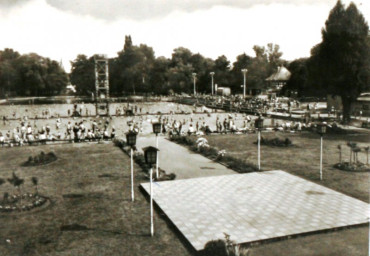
[62, 29]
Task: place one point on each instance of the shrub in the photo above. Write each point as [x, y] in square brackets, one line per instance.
[215, 248]
[352, 167]
[275, 142]
[224, 247]
[140, 160]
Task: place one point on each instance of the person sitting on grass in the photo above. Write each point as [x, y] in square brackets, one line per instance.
[90, 135]
[113, 133]
[106, 135]
[207, 130]
[244, 128]
[2, 140]
[98, 135]
[191, 130]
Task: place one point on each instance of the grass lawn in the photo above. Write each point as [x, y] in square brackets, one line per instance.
[89, 186]
[303, 159]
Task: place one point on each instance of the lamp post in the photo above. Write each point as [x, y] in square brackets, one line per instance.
[258, 124]
[131, 141]
[150, 154]
[194, 79]
[244, 71]
[157, 127]
[321, 129]
[212, 74]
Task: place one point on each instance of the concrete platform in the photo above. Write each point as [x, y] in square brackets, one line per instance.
[254, 207]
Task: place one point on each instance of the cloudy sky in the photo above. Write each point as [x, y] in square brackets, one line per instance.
[61, 29]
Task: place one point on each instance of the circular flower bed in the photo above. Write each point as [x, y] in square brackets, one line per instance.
[17, 203]
[41, 159]
[352, 167]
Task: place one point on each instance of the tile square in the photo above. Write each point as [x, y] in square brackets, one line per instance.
[254, 206]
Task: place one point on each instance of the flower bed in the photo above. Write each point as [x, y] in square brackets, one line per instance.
[352, 167]
[17, 203]
[140, 160]
[222, 157]
[41, 159]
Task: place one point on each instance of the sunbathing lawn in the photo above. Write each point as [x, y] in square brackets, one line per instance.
[100, 205]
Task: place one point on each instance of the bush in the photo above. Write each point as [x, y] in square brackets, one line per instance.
[140, 160]
[215, 248]
[352, 167]
[275, 142]
[225, 247]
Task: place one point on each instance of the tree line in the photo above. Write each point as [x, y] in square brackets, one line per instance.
[30, 75]
[136, 70]
[339, 65]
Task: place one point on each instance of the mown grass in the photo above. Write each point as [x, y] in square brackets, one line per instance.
[91, 211]
[304, 158]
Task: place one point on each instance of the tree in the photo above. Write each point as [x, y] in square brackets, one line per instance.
[158, 78]
[30, 74]
[17, 182]
[299, 79]
[132, 68]
[340, 64]
[242, 61]
[83, 74]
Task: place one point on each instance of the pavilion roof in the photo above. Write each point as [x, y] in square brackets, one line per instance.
[282, 74]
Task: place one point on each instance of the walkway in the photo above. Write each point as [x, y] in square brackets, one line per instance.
[181, 161]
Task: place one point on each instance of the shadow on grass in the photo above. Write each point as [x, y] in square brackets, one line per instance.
[77, 227]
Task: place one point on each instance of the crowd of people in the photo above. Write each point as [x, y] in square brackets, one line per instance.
[28, 132]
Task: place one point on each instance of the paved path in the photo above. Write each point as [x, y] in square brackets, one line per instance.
[181, 161]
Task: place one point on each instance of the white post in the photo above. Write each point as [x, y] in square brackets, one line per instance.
[194, 77]
[151, 203]
[244, 84]
[212, 84]
[132, 175]
[245, 81]
[194, 87]
[321, 142]
[157, 163]
[259, 148]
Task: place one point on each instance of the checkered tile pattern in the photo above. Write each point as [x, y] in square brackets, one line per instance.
[255, 206]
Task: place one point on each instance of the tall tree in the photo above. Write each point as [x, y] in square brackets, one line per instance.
[83, 74]
[242, 61]
[299, 79]
[340, 64]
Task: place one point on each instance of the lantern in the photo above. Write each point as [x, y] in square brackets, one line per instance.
[157, 127]
[150, 154]
[131, 138]
[321, 128]
[258, 123]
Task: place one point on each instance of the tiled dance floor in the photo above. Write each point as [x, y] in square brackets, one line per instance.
[254, 206]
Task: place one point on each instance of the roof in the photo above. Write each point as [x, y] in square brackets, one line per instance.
[364, 97]
[282, 74]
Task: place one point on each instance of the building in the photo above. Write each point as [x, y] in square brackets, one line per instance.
[277, 80]
[362, 104]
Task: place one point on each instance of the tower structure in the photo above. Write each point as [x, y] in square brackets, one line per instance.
[101, 85]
